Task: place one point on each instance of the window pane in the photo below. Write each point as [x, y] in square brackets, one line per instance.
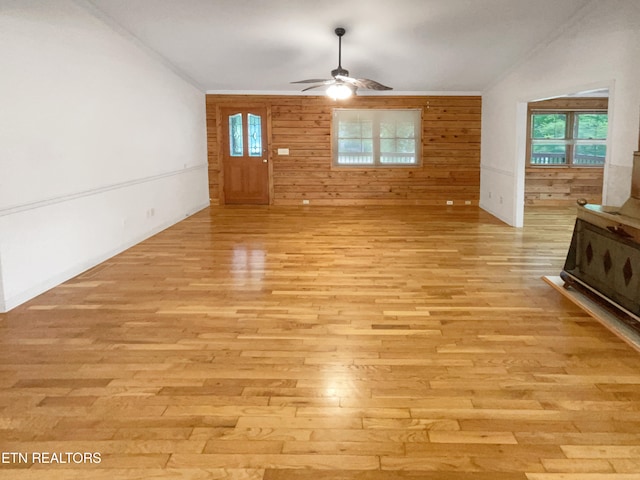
[589, 154]
[407, 146]
[591, 126]
[388, 145]
[355, 146]
[350, 146]
[387, 130]
[355, 143]
[350, 130]
[235, 135]
[551, 125]
[406, 130]
[549, 154]
[255, 135]
[355, 130]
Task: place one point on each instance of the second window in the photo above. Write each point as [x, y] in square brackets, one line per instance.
[568, 138]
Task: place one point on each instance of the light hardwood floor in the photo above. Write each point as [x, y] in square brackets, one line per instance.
[321, 343]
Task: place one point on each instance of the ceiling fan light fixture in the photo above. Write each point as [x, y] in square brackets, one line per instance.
[339, 91]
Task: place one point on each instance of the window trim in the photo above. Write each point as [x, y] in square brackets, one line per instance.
[569, 139]
[376, 144]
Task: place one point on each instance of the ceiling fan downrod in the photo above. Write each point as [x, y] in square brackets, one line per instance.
[340, 71]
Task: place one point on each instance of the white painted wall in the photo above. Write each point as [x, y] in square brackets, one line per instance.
[101, 145]
[600, 47]
[2, 303]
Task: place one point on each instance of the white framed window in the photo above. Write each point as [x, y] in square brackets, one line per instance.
[568, 138]
[376, 137]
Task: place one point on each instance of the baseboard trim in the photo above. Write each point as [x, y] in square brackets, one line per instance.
[497, 215]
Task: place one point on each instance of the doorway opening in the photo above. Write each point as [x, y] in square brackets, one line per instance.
[563, 150]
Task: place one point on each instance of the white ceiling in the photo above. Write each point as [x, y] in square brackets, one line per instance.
[410, 45]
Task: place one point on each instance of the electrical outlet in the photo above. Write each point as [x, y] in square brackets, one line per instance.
[500, 199]
[305, 202]
[449, 202]
[467, 202]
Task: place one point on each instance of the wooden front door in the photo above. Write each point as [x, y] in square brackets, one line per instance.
[244, 156]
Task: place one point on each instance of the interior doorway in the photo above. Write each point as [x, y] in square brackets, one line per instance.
[564, 149]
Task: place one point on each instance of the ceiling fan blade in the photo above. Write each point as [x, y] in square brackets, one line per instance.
[314, 80]
[364, 83]
[316, 86]
[373, 85]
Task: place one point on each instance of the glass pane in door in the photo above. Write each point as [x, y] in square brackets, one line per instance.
[236, 148]
[255, 135]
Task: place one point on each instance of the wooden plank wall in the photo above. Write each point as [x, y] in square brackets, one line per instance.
[450, 167]
[558, 186]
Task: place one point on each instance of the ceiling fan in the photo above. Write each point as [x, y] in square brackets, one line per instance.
[342, 85]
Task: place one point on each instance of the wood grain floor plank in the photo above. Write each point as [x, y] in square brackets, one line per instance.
[274, 474]
[583, 476]
[137, 474]
[308, 461]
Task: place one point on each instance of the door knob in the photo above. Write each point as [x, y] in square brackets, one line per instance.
[264, 160]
